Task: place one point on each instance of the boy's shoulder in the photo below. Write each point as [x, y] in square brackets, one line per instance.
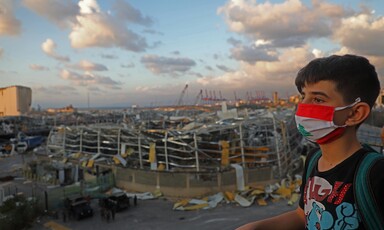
[379, 164]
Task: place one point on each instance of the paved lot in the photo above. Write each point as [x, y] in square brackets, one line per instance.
[158, 214]
[151, 214]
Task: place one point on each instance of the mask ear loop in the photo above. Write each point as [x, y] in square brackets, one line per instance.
[348, 106]
[345, 107]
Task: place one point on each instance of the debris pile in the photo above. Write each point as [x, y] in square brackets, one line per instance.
[287, 189]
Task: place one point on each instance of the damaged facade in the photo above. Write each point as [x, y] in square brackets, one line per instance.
[192, 154]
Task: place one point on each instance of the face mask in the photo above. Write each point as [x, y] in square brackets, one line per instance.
[315, 122]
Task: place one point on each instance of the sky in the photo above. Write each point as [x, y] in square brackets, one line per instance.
[108, 53]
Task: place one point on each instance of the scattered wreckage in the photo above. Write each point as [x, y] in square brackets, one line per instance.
[201, 147]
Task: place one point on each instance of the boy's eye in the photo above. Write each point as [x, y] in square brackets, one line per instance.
[318, 100]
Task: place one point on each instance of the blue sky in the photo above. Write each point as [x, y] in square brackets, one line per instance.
[124, 52]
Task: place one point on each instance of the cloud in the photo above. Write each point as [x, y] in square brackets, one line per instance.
[94, 89]
[126, 12]
[49, 47]
[362, 34]
[167, 65]
[1, 52]
[38, 67]
[109, 56]
[89, 6]
[129, 65]
[9, 24]
[151, 31]
[166, 91]
[89, 79]
[90, 27]
[224, 68]
[98, 30]
[55, 90]
[88, 66]
[286, 24]
[62, 13]
[176, 52]
[94, 28]
[252, 54]
[233, 41]
[263, 75]
[285, 38]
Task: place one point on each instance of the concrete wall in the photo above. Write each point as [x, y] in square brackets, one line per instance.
[15, 100]
[187, 184]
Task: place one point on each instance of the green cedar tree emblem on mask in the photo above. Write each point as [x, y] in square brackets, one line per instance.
[304, 132]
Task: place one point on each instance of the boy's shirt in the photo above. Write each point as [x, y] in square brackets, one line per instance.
[327, 197]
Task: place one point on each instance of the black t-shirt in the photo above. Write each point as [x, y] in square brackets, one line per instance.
[327, 198]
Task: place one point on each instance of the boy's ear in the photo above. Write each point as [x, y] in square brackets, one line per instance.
[360, 112]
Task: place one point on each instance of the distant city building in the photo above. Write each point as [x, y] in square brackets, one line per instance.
[67, 109]
[275, 96]
[15, 100]
[380, 99]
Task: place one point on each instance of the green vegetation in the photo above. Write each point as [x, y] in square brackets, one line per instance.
[18, 213]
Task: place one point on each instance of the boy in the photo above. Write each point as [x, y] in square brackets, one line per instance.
[338, 93]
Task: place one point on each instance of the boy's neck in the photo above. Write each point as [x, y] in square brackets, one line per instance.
[338, 150]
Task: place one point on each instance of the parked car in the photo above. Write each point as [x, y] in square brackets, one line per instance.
[78, 207]
[116, 201]
[5, 146]
[121, 201]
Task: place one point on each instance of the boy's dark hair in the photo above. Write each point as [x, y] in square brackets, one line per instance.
[354, 77]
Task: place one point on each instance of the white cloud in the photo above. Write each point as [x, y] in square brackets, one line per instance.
[94, 28]
[317, 53]
[285, 24]
[49, 47]
[9, 24]
[101, 30]
[89, 79]
[263, 75]
[89, 6]
[90, 26]
[88, 66]
[362, 33]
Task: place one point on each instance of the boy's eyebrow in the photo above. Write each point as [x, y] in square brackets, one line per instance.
[315, 93]
[320, 93]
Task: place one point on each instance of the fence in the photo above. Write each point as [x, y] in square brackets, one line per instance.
[51, 197]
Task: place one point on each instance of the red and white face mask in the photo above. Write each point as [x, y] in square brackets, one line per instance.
[315, 122]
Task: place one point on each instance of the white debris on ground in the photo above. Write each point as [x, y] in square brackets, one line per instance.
[287, 189]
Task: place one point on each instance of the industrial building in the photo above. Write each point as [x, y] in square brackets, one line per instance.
[15, 100]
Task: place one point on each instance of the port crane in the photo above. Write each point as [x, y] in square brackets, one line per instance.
[179, 102]
[198, 97]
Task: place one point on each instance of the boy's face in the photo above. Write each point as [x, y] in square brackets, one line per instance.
[325, 93]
